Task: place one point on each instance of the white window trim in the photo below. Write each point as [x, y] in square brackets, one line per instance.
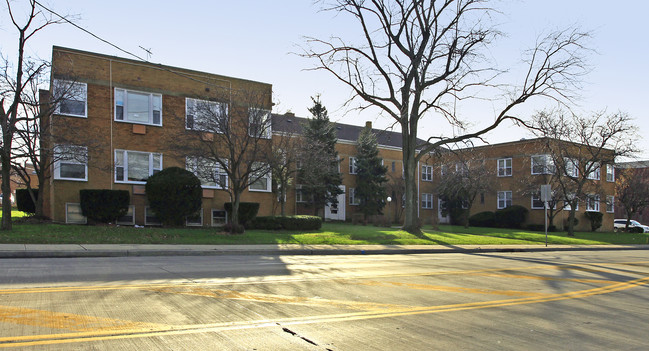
[218, 171]
[269, 178]
[427, 173]
[125, 107]
[507, 171]
[610, 200]
[352, 197]
[596, 171]
[549, 165]
[298, 191]
[538, 198]
[67, 219]
[188, 224]
[152, 167]
[353, 169]
[57, 110]
[131, 209]
[566, 206]
[504, 194]
[610, 170]
[212, 217]
[574, 167]
[427, 201]
[217, 105]
[268, 130]
[58, 161]
[593, 200]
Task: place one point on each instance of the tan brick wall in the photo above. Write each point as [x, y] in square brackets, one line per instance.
[105, 73]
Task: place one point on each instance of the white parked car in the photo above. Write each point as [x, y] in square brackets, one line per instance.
[634, 226]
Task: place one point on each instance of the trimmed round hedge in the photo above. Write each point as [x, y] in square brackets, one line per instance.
[174, 193]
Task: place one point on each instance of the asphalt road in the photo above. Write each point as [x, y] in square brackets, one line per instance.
[512, 301]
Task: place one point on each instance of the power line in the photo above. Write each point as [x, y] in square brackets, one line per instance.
[90, 33]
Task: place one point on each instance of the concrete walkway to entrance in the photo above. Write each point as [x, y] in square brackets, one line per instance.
[124, 250]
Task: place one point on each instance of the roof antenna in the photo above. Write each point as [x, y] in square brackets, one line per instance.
[148, 52]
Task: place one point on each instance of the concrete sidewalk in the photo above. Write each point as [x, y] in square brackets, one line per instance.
[125, 250]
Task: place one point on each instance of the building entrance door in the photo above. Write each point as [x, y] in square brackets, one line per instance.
[336, 212]
[441, 208]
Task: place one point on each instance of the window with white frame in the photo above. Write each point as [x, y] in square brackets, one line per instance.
[138, 107]
[195, 220]
[427, 173]
[443, 170]
[128, 218]
[210, 172]
[206, 116]
[136, 166]
[570, 198]
[71, 162]
[592, 203]
[299, 195]
[610, 203]
[572, 167]
[353, 200]
[610, 173]
[542, 164]
[352, 165]
[150, 217]
[505, 167]
[261, 177]
[71, 98]
[504, 199]
[537, 204]
[74, 215]
[595, 170]
[219, 218]
[427, 201]
[259, 123]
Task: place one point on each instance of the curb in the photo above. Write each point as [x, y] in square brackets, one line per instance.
[295, 251]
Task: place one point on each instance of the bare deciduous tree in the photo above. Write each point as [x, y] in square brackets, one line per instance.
[227, 143]
[15, 84]
[419, 57]
[632, 190]
[578, 148]
[468, 178]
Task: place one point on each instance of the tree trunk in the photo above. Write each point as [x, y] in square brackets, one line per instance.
[6, 192]
[411, 222]
[235, 213]
[571, 220]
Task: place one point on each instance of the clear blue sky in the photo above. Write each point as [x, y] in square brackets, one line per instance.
[253, 39]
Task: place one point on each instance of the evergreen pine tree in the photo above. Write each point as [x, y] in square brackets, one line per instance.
[319, 174]
[370, 175]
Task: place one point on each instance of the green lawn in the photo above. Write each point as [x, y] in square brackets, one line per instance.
[331, 233]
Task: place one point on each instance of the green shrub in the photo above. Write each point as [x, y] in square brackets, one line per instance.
[301, 222]
[24, 201]
[268, 223]
[482, 219]
[458, 215]
[173, 194]
[595, 219]
[510, 217]
[287, 222]
[247, 211]
[104, 205]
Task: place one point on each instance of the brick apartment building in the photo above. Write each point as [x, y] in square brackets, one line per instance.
[122, 112]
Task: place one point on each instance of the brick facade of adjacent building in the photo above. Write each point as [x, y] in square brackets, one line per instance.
[104, 78]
